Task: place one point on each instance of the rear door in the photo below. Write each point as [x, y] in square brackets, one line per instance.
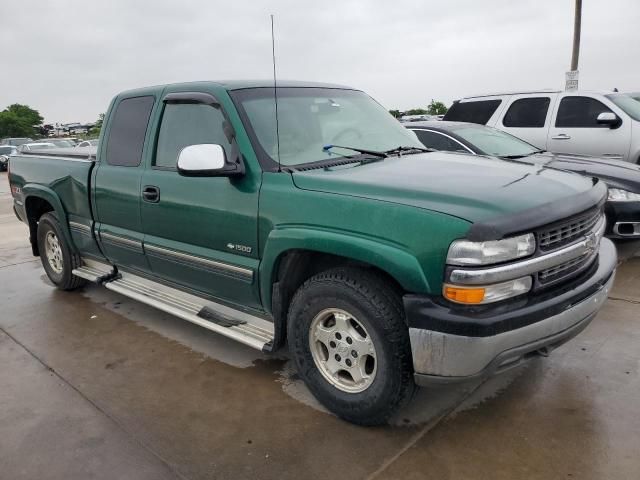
[528, 117]
[575, 128]
[200, 232]
[116, 192]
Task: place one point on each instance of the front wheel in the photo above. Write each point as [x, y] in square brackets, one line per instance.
[351, 345]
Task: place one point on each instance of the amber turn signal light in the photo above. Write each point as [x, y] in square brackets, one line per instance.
[464, 295]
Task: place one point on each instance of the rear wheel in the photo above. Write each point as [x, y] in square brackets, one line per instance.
[57, 257]
[351, 346]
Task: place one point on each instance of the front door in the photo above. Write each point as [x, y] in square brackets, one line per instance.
[200, 232]
[575, 129]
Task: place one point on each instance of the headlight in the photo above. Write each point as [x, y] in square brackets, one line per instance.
[619, 195]
[464, 252]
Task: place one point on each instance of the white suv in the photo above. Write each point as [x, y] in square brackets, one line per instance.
[605, 124]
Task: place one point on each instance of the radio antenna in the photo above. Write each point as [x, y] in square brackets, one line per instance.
[275, 94]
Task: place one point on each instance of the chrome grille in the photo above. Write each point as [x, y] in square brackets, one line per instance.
[562, 271]
[568, 231]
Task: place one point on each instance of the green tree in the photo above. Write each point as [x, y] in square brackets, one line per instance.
[19, 121]
[95, 130]
[396, 113]
[416, 111]
[436, 108]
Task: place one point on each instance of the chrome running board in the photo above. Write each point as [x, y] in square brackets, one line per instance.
[94, 271]
[243, 327]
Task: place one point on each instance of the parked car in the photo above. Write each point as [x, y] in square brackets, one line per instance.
[88, 143]
[331, 235]
[602, 124]
[61, 142]
[15, 141]
[6, 151]
[417, 118]
[623, 204]
[29, 147]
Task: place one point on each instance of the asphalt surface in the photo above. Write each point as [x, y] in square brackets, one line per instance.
[93, 385]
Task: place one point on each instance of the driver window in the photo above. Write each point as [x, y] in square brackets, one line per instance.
[580, 112]
[188, 124]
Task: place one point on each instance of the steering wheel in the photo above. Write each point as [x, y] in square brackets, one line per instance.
[346, 135]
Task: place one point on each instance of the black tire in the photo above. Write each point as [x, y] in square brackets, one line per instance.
[64, 280]
[378, 307]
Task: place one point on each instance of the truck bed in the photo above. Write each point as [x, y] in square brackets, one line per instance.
[65, 171]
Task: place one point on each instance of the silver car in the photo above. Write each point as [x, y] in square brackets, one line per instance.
[603, 124]
[88, 143]
[30, 147]
[6, 151]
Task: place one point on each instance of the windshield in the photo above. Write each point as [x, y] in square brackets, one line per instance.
[312, 118]
[629, 103]
[494, 142]
[5, 150]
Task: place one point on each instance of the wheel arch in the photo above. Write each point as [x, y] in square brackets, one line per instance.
[39, 200]
[291, 256]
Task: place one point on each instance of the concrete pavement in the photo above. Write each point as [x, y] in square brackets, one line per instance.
[93, 385]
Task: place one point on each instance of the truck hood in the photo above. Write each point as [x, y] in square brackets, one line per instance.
[615, 173]
[475, 188]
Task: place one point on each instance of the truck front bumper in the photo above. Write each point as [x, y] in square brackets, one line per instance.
[623, 219]
[451, 344]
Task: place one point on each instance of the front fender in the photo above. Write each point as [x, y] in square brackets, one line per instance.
[390, 258]
[45, 193]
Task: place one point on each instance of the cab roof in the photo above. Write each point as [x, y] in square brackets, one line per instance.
[241, 84]
[234, 85]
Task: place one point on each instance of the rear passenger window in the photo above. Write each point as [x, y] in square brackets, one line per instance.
[527, 113]
[475, 112]
[580, 112]
[128, 128]
[438, 141]
[185, 124]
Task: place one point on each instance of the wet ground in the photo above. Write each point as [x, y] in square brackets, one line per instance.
[93, 385]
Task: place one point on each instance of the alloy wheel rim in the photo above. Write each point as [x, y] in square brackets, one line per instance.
[53, 252]
[342, 350]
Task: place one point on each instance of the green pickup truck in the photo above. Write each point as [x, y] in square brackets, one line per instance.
[382, 265]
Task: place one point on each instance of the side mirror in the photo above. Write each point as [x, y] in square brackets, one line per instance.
[610, 119]
[206, 160]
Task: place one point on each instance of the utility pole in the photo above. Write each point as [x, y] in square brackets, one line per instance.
[577, 23]
[571, 77]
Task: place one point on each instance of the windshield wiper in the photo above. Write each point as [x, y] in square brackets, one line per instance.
[400, 150]
[327, 148]
[515, 157]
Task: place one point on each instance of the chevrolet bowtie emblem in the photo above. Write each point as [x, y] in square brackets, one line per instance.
[591, 242]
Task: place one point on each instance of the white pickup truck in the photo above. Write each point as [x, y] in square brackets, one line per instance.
[605, 124]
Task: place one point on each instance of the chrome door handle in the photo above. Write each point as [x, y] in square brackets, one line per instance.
[561, 136]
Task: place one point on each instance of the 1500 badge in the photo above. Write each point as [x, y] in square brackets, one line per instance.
[239, 248]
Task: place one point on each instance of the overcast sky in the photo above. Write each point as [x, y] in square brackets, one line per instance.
[68, 58]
